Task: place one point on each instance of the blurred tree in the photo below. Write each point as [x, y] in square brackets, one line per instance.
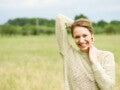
[9, 30]
[18, 21]
[109, 29]
[31, 21]
[80, 16]
[36, 26]
[115, 22]
[102, 23]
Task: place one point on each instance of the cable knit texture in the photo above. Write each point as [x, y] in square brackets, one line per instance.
[79, 73]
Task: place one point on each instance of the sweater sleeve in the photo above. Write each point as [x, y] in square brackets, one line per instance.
[62, 22]
[105, 74]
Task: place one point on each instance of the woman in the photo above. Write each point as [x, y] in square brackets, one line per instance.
[87, 68]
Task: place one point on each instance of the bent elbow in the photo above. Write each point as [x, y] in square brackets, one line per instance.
[59, 16]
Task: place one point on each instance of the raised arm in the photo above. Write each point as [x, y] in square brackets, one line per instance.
[61, 32]
[105, 74]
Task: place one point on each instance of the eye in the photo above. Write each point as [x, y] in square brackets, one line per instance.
[76, 37]
[85, 35]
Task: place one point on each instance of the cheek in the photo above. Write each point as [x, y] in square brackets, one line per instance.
[89, 39]
[76, 41]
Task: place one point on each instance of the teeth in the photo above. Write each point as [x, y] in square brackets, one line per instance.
[82, 45]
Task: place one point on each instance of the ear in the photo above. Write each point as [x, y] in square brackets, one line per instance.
[92, 38]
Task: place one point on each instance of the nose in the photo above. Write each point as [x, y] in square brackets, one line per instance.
[81, 40]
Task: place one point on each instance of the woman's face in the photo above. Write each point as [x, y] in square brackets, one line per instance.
[83, 38]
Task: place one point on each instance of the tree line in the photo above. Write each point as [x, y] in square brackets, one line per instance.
[37, 26]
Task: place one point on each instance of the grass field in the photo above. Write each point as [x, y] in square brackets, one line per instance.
[34, 63]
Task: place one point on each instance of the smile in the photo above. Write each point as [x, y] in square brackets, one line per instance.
[82, 45]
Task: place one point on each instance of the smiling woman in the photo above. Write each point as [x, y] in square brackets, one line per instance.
[82, 33]
[82, 38]
[87, 68]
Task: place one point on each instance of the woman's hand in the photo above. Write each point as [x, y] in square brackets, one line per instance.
[93, 54]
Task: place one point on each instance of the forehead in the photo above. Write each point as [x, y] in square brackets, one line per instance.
[81, 30]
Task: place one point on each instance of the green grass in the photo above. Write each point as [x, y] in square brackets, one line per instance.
[34, 63]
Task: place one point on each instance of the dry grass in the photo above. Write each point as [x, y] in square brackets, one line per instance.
[34, 63]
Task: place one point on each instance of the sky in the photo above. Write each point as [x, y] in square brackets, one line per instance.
[95, 10]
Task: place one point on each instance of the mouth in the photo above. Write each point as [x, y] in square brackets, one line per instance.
[82, 45]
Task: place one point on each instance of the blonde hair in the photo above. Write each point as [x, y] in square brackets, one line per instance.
[82, 22]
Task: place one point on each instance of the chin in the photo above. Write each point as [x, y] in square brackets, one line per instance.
[84, 49]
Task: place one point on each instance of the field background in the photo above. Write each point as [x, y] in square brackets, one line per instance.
[34, 63]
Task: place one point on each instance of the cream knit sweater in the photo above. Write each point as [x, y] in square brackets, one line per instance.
[78, 71]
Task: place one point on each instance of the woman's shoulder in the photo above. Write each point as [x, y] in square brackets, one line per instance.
[105, 56]
[104, 53]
